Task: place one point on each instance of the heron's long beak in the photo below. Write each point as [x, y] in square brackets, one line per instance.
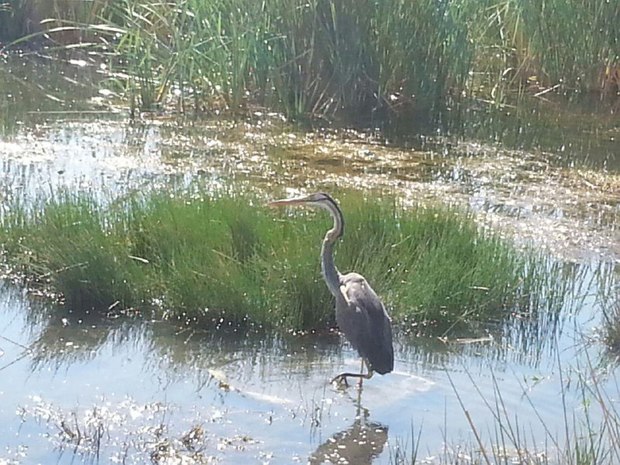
[290, 201]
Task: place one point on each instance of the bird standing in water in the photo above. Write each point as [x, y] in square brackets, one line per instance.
[360, 314]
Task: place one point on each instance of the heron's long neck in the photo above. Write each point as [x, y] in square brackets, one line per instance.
[330, 272]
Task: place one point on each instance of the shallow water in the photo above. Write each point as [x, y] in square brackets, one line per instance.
[133, 389]
[128, 391]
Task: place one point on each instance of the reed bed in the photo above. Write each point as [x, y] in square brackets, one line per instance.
[227, 259]
[32, 19]
[353, 61]
[531, 47]
[318, 59]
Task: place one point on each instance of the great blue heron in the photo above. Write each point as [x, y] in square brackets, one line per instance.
[360, 314]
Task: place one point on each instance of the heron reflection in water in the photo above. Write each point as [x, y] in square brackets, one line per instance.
[359, 444]
[360, 314]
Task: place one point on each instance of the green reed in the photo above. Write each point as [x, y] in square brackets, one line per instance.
[352, 61]
[33, 18]
[586, 435]
[532, 47]
[213, 258]
[319, 59]
[363, 61]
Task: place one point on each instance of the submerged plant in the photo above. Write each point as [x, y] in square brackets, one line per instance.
[611, 330]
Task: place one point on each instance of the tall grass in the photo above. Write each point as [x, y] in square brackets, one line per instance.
[215, 258]
[355, 61]
[367, 62]
[535, 46]
[351, 60]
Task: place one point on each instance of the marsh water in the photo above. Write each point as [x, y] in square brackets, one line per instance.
[125, 390]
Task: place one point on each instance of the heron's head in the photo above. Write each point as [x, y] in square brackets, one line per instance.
[318, 199]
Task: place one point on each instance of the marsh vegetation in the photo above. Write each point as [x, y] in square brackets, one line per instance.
[381, 64]
[213, 257]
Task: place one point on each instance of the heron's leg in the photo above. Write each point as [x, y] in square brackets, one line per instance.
[359, 383]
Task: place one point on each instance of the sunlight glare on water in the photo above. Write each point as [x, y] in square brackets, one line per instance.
[528, 196]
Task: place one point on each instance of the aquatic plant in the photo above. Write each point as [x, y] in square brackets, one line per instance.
[362, 61]
[356, 61]
[531, 47]
[611, 330]
[353, 61]
[34, 18]
[211, 259]
[586, 435]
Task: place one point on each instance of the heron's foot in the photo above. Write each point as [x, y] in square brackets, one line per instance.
[340, 380]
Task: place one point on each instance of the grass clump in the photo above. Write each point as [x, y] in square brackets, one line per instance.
[214, 259]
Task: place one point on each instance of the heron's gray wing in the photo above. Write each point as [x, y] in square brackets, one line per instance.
[365, 322]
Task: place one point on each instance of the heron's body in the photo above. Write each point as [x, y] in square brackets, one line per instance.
[362, 318]
[360, 314]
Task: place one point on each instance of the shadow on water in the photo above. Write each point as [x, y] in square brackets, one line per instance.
[584, 133]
